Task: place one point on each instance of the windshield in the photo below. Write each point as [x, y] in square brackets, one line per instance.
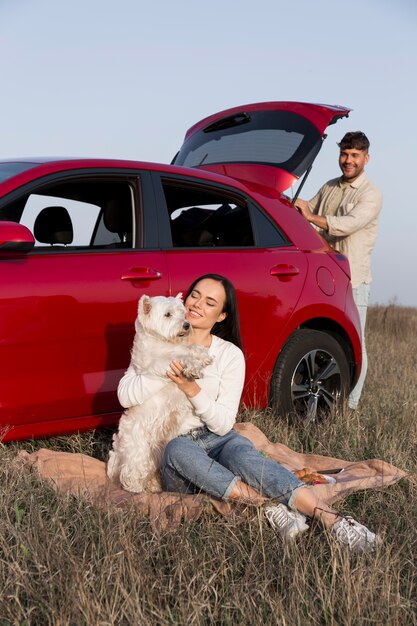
[280, 138]
[8, 170]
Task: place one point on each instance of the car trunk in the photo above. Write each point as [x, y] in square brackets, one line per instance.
[267, 146]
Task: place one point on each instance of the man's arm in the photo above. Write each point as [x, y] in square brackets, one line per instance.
[365, 210]
[318, 220]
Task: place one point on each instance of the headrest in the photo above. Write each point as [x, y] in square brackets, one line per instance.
[53, 225]
[117, 217]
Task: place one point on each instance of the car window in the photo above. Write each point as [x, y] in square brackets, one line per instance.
[83, 216]
[264, 146]
[8, 170]
[96, 213]
[204, 217]
[208, 216]
[283, 139]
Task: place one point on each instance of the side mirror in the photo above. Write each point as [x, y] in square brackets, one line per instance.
[15, 237]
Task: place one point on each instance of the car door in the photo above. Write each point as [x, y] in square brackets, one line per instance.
[207, 228]
[68, 306]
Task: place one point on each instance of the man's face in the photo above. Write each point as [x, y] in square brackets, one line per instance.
[352, 163]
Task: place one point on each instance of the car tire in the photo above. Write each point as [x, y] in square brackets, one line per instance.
[310, 377]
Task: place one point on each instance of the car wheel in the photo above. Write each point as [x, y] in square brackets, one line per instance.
[310, 377]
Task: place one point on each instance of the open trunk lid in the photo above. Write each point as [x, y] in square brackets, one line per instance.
[268, 145]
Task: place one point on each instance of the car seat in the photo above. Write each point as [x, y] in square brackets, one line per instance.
[117, 218]
[53, 225]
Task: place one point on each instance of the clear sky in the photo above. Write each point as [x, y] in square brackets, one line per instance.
[126, 79]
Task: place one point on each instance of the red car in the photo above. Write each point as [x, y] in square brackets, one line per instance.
[82, 239]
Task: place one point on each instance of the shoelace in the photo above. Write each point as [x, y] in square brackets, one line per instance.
[278, 516]
[346, 530]
[282, 517]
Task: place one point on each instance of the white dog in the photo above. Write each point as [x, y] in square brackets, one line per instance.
[161, 336]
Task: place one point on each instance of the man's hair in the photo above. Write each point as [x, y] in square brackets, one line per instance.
[355, 140]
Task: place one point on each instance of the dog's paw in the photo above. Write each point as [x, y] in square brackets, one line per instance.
[195, 371]
[197, 359]
[206, 360]
[191, 372]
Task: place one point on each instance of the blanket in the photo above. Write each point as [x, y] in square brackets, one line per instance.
[80, 474]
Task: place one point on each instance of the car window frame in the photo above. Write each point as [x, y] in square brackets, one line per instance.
[256, 213]
[146, 230]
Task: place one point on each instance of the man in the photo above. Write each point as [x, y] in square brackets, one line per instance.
[346, 210]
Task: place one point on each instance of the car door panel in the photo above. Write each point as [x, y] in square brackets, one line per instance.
[266, 300]
[68, 307]
[236, 240]
[72, 329]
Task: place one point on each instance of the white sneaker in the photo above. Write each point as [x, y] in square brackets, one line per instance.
[288, 523]
[357, 537]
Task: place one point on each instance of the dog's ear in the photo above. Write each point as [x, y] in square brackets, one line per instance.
[180, 296]
[145, 305]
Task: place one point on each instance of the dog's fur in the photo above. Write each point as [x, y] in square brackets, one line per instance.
[144, 430]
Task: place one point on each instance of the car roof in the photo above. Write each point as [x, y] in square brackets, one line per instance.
[37, 167]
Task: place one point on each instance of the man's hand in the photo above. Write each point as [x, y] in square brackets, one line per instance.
[304, 209]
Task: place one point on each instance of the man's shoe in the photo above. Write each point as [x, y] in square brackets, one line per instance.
[288, 523]
[355, 536]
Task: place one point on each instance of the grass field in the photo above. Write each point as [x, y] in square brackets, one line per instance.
[64, 562]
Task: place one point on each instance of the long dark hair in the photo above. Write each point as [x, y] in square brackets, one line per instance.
[229, 328]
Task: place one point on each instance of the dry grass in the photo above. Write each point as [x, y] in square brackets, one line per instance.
[63, 562]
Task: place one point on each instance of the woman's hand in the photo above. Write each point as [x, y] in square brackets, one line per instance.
[189, 387]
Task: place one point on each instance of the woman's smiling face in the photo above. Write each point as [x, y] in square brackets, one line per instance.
[205, 304]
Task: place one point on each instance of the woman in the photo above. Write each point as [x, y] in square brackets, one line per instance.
[211, 456]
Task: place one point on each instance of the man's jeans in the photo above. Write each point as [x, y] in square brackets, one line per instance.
[204, 461]
[361, 298]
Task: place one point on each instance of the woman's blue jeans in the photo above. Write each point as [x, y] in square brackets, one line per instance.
[204, 461]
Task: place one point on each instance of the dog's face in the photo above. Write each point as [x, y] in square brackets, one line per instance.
[163, 317]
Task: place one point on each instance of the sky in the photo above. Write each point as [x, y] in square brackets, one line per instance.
[126, 79]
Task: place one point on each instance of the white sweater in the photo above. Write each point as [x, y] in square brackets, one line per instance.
[215, 406]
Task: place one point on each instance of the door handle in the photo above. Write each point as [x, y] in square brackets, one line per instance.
[284, 269]
[140, 273]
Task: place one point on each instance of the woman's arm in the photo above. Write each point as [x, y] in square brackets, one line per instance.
[219, 414]
[135, 388]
